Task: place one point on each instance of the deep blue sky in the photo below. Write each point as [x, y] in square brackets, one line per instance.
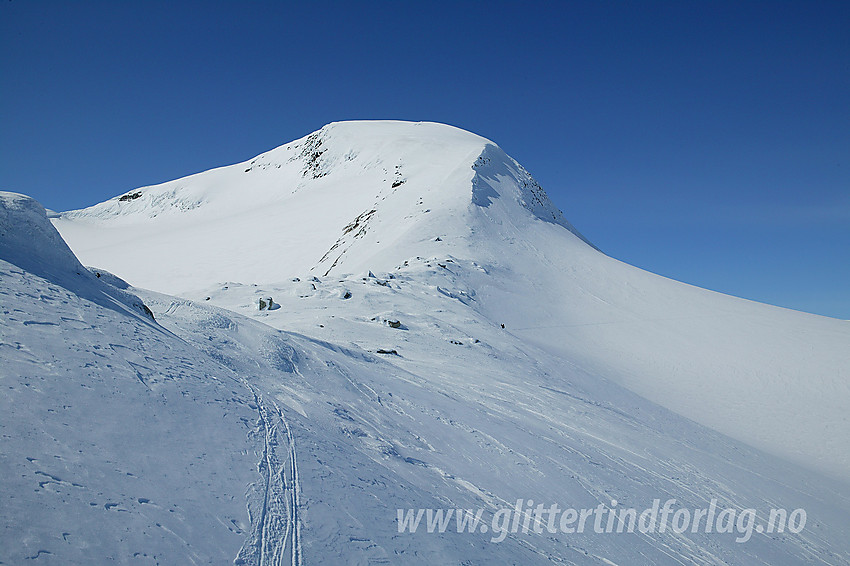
[705, 141]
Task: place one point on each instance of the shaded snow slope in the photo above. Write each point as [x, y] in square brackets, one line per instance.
[775, 378]
[28, 240]
[360, 196]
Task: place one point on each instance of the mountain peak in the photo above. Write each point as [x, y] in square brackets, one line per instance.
[350, 196]
[416, 132]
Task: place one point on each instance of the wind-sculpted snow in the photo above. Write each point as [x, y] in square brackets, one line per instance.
[29, 242]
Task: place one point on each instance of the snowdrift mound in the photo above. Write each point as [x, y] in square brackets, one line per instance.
[30, 242]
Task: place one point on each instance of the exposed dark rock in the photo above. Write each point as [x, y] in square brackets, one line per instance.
[130, 196]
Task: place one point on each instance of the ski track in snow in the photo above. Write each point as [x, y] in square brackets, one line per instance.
[278, 530]
[275, 538]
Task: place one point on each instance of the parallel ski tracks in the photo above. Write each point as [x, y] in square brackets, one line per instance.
[276, 533]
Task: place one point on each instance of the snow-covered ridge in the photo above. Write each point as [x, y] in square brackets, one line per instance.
[341, 149]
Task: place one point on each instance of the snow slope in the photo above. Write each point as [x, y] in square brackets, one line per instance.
[207, 436]
[360, 196]
[454, 423]
[118, 441]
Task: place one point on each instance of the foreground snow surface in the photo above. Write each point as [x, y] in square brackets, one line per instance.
[218, 432]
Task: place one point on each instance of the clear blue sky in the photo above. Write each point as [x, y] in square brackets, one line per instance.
[705, 141]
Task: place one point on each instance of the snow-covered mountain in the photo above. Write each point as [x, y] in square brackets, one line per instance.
[440, 337]
[352, 196]
[360, 196]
